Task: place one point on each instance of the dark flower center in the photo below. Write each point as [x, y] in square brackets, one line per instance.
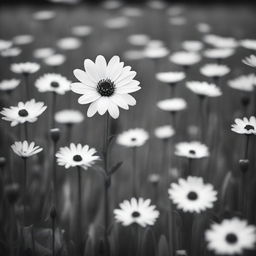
[135, 214]
[77, 158]
[192, 195]
[55, 84]
[191, 151]
[231, 238]
[249, 127]
[106, 87]
[23, 112]
[133, 139]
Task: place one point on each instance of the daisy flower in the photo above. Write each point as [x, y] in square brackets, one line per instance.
[172, 105]
[25, 149]
[192, 194]
[23, 39]
[76, 155]
[185, 59]
[69, 43]
[11, 52]
[55, 60]
[170, 77]
[42, 53]
[136, 211]
[24, 112]
[192, 46]
[53, 83]
[133, 138]
[231, 237]
[177, 21]
[243, 83]
[138, 39]
[192, 149]
[248, 44]
[164, 132]
[153, 52]
[69, 117]
[44, 15]
[117, 23]
[106, 86]
[134, 54]
[245, 125]
[214, 70]
[25, 68]
[9, 85]
[203, 27]
[250, 61]
[204, 89]
[219, 53]
[81, 31]
[4, 44]
[220, 42]
[111, 4]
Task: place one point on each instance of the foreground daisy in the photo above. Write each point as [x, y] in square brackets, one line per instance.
[250, 61]
[192, 194]
[245, 125]
[164, 132]
[214, 70]
[9, 85]
[192, 149]
[25, 68]
[133, 138]
[136, 211]
[204, 89]
[69, 117]
[243, 83]
[25, 149]
[231, 237]
[172, 105]
[24, 112]
[76, 155]
[53, 83]
[106, 86]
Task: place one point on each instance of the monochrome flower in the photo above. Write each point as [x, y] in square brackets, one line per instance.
[170, 77]
[138, 39]
[55, 60]
[220, 42]
[214, 70]
[203, 27]
[219, 53]
[76, 155]
[243, 83]
[42, 53]
[231, 237]
[4, 44]
[172, 105]
[134, 54]
[69, 43]
[44, 15]
[24, 112]
[185, 59]
[25, 68]
[25, 149]
[9, 85]
[192, 194]
[204, 89]
[69, 116]
[117, 22]
[81, 31]
[192, 46]
[248, 44]
[106, 86]
[154, 52]
[245, 125]
[23, 39]
[11, 52]
[250, 61]
[136, 211]
[133, 138]
[164, 132]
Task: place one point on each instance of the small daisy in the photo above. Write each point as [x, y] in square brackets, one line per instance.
[178, 21]
[220, 42]
[111, 4]
[134, 54]
[69, 43]
[172, 105]
[136, 211]
[191, 150]
[9, 85]
[76, 155]
[156, 5]
[55, 60]
[138, 39]
[44, 15]
[203, 27]
[106, 86]
[153, 52]
[248, 44]
[245, 125]
[219, 53]
[117, 23]
[164, 132]
[133, 138]
[53, 83]
[204, 89]
[23, 39]
[81, 31]
[185, 59]
[214, 70]
[43, 53]
[250, 61]
[243, 83]
[11, 52]
[69, 117]
[154, 178]
[25, 149]
[4, 44]
[24, 112]
[25, 68]
[170, 77]
[192, 46]
[231, 237]
[192, 194]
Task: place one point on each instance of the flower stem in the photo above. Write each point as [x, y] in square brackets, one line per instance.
[134, 172]
[24, 189]
[69, 132]
[53, 236]
[26, 130]
[246, 147]
[54, 98]
[79, 210]
[54, 173]
[27, 89]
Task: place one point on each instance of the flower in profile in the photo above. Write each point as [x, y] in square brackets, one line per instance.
[219, 53]
[42, 53]
[69, 43]
[23, 39]
[69, 117]
[136, 211]
[156, 5]
[172, 105]
[9, 85]
[4, 44]
[53, 83]
[250, 61]
[44, 15]
[192, 149]
[185, 59]
[134, 54]
[156, 52]
[25, 149]
[170, 77]
[111, 4]
[81, 31]
[133, 138]
[139, 39]
[245, 125]
[203, 27]
[214, 70]
[25, 68]
[178, 21]
[248, 44]
[11, 52]
[76, 155]
[154, 178]
[243, 83]
[231, 237]
[164, 132]
[204, 89]
[192, 194]
[220, 42]
[24, 112]
[55, 60]
[117, 23]
[106, 86]
[192, 46]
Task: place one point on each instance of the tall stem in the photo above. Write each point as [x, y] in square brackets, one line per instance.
[53, 236]
[27, 89]
[54, 173]
[134, 172]
[69, 132]
[26, 130]
[24, 189]
[246, 147]
[54, 97]
[79, 210]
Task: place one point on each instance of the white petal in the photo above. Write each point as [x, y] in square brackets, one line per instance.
[91, 70]
[84, 78]
[88, 98]
[103, 104]
[113, 110]
[92, 109]
[101, 66]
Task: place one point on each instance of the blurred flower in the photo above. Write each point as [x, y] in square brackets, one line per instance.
[69, 43]
[106, 86]
[192, 46]
[76, 155]
[219, 53]
[55, 60]
[221, 42]
[53, 83]
[24, 112]
[25, 68]
[154, 52]
[231, 237]
[11, 52]
[81, 31]
[156, 4]
[69, 116]
[133, 138]
[248, 44]
[185, 59]
[117, 23]
[204, 89]
[214, 70]
[23, 39]
[4, 44]
[138, 39]
[203, 27]
[155, 43]
[172, 105]
[192, 194]
[25, 149]
[43, 53]
[245, 125]
[132, 12]
[177, 21]
[192, 149]
[164, 132]
[250, 61]
[134, 54]
[243, 83]
[112, 4]
[9, 85]
[44, 15]
[154, 178]
[174, 10]
[136, 211]
[170, 77]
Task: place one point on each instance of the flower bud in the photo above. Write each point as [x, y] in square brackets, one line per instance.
[55, 134]
[244, 165]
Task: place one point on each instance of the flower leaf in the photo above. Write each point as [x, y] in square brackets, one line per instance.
[115, 167]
